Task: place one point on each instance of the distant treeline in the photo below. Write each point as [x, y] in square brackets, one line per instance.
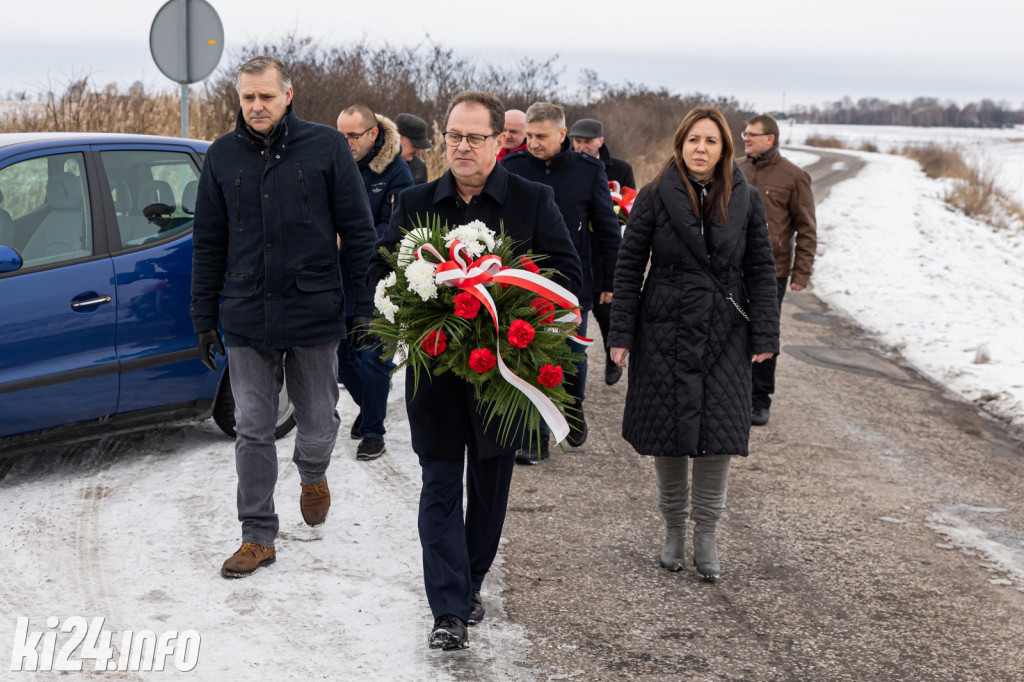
[922, 111]
[639, 121]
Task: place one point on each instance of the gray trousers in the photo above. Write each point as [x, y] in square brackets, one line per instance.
[706, 497]
[256, 377]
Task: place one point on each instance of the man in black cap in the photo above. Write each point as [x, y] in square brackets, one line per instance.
[587, 136]
[412, 131]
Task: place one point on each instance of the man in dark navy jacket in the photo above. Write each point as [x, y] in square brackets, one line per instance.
[444, 419]
[275, 195]
[581, 192]
[377, 149]
[587, 135]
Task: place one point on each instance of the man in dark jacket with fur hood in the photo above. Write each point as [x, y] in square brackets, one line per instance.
[275, 196]
[377, 149]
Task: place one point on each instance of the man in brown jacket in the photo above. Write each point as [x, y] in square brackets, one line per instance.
[789, 205]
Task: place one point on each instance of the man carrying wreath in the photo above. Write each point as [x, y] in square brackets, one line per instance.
[448, 431]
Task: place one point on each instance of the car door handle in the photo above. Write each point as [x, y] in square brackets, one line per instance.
[89, 302]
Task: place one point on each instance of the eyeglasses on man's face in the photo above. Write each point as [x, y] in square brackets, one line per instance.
[746, 135]
[356, 136]
[475, 140]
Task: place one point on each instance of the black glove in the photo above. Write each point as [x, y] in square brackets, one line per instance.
[209, 345]
[359, 336]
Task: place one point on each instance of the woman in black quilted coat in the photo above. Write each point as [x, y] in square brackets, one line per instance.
[706, 309]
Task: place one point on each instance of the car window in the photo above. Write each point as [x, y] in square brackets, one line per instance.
[153, 192]
[45, 209]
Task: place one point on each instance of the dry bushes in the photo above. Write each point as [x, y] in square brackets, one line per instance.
[639, 122]
[826, 141]
[973, 189]
[82, 109]
[940, 162]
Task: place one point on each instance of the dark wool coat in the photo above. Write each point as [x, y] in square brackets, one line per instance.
[617, 170]
[268, 216]
[443, 415]
[690, 350]
[582, 195]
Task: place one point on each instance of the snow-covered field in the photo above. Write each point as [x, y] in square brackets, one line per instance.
[944, 290]
[998, 149]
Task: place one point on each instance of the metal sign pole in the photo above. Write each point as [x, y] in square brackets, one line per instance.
[186, 41]
[183, 34]
[184, 109]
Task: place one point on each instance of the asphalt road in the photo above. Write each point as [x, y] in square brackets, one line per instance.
[834, 563]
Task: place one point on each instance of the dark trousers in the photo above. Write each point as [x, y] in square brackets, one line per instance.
[603, 315]
[457, 552]
[574, 386]
[763, 373]
[366, 375]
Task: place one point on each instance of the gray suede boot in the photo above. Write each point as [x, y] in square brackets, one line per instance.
[673, 496]
[705, 555]
[710, 480]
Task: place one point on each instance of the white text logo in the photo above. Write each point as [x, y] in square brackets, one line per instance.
[139, 651]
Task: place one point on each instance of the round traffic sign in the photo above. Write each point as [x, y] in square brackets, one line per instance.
[186, 40]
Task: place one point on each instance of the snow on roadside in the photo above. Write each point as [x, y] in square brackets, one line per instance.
[944, 290]
[976, 532]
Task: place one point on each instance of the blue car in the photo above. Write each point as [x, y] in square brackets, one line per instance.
[95, 273]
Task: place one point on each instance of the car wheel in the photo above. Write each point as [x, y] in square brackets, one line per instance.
[224, 409]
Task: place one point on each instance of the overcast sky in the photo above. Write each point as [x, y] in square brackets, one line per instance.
[764, 54]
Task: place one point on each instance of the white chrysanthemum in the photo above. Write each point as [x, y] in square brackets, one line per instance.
[409, 244]
[381, 300]
[475, 236]
[420, 275]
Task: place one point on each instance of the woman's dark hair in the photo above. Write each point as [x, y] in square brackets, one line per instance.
[721, 185]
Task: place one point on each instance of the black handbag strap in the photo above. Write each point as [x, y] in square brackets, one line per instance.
[721, 287]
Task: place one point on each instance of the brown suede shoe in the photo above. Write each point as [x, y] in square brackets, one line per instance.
[315, 501]
[247, 559]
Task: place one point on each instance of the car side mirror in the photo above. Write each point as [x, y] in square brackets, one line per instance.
[10, 260]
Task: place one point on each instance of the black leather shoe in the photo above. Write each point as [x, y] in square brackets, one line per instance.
[612, 373]
[577, 429]
[759, 416]
[476, 608]
[449, 634]
[354, 432]
[534, 454]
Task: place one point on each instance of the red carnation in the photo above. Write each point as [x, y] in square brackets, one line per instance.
[466, 305]
[520, 333]
[482, 360]
[528, 264]
[435, 342]
[543, 305]
[550, 376]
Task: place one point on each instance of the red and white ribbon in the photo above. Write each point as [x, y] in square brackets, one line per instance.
[623, 196]
[465, 273]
